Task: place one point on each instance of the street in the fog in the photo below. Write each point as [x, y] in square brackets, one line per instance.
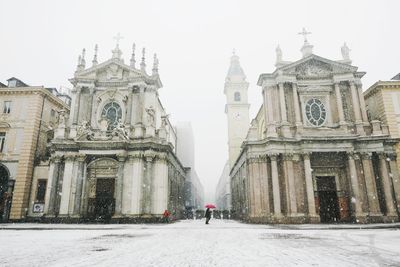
[192, 243]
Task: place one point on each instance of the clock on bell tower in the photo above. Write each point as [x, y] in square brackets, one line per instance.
[236, 108]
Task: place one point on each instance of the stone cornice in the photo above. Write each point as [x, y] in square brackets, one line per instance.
[379, 85]
[34, 90]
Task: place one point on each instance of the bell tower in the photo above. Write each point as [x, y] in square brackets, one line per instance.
[236, 108]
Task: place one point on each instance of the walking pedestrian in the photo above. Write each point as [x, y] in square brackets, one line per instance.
[208, 215]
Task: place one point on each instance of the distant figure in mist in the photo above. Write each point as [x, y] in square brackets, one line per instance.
[208, 215]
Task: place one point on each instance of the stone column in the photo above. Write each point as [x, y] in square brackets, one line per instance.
[354, 185]
[275, 185]
[51, 190]
[297, 111]
[292, 201]
[362, 102]
[79, 184]
[339, 102]
[395, 178]
[387, 186]
[271, 127]
[372, 194]
[119, 184]
[356, 108]
[309, 186]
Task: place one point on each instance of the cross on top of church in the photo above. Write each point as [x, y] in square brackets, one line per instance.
[304, 33]
[117, 38]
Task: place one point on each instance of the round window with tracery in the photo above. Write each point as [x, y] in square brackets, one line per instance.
[315, 112]
[113, 112]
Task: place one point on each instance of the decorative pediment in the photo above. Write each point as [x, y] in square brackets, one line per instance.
[313, 69]
[316, 67]
[111, 70]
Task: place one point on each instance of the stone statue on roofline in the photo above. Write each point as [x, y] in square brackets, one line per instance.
[345, 52]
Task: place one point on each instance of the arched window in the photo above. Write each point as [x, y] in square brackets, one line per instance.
[237, 96]
[113, 112]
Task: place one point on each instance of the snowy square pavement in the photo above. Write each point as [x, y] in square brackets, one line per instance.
[192, 243]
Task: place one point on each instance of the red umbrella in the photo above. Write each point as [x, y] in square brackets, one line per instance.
[210, 206]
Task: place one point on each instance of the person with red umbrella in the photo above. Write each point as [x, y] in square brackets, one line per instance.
[208, 212]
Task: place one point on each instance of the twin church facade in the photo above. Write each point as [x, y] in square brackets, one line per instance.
[312, 154]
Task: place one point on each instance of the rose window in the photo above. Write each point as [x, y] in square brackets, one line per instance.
[315, 112]
[112, 112]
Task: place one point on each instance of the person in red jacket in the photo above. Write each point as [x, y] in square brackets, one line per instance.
[166, 215]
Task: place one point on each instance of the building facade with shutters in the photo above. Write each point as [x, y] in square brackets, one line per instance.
[29, 115]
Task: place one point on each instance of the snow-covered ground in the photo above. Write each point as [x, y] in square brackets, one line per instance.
[192, 243]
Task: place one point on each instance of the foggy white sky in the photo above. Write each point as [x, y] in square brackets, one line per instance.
[40, 42]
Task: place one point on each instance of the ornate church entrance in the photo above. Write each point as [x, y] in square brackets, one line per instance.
[105, 202]
[101, 184]
[328, 199]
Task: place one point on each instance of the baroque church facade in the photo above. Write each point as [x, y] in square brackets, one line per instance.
[311, 154]
[114, 156]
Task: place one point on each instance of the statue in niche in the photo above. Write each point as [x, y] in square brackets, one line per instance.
[150, 116]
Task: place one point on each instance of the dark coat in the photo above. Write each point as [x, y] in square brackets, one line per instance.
[208, 213]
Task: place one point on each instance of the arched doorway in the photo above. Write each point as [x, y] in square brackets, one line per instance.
[101, 176]
[5, 194]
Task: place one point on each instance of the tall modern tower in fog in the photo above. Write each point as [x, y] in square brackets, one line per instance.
[236, 108]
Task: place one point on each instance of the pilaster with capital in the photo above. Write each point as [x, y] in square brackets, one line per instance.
[285, 130]
[354, 184]
[264, 184]
[67, 183]
[93, 106]
[290, 183]
[275, 184]
[309, 185]
[387, 185]
[394, 174]
[128, 119]
[356, 108]
[51, 190]
[339, 102]
[271, 126]
[363, 107]
[78, 90]
[119, 184]
[147, 181]
[80, 159]
[372, 194]
[297, 110]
